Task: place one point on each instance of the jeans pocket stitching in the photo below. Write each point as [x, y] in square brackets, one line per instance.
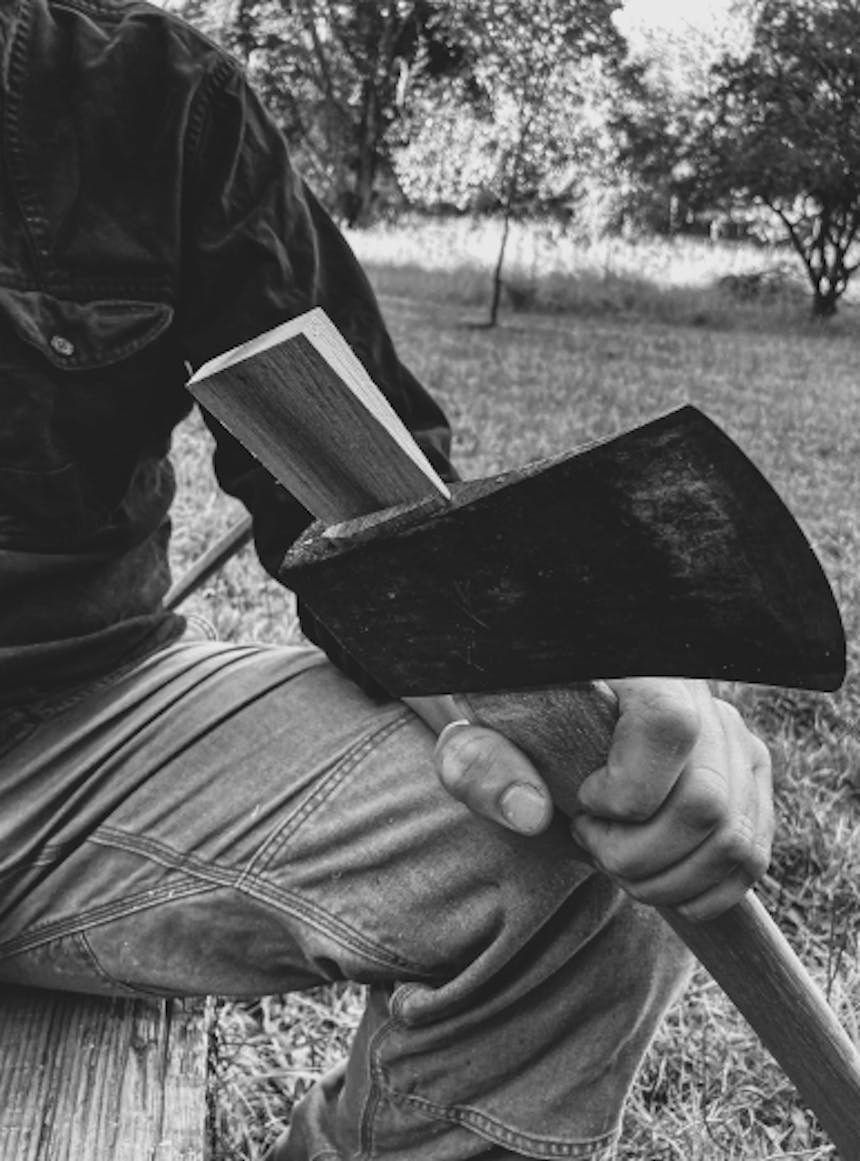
[330, 925]
[340, 771]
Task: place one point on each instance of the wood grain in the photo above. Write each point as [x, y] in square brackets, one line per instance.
[347, 452]
[100, 1079]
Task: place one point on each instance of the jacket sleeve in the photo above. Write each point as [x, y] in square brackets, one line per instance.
[260, 249]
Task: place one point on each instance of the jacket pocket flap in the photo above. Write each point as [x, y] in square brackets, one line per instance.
[76, 336]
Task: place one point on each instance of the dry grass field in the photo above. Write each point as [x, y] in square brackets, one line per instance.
[593, 341]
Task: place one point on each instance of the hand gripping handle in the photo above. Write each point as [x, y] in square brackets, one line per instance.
[566, 732]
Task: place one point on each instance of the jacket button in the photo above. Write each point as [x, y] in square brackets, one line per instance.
[62, 345]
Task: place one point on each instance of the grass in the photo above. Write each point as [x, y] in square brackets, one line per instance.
[552, 376]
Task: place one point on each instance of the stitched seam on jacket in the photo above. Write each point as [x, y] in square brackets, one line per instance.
[60, 283]
[92, 8]
[26, 200]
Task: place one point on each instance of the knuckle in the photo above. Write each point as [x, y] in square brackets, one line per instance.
[761, 755]
[611, 861]
[742, 848]
[730, 714]
[736, 844]
[758, 859]
[637, 806]
[459, 759]
[759, 862]
[673, 717]
[634, 799]
[703, 804]
[466, 758]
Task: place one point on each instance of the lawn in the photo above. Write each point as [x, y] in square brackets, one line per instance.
[601, 340]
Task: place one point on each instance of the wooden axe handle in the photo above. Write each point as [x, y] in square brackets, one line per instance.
[566, 732]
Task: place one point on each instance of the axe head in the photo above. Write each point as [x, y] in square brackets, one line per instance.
[663, 551]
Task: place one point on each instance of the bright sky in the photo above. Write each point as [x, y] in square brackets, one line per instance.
[672, 12]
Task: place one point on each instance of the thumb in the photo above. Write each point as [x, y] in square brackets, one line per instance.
[492, 777]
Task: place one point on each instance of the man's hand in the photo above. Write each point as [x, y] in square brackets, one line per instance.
[680, 816]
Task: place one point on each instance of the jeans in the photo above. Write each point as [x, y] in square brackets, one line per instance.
[242, 820]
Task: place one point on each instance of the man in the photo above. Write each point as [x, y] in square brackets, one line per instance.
[181, 816]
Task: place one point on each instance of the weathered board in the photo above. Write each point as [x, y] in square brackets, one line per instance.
[101, 1079]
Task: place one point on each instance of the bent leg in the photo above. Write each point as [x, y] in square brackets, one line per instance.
[242, 820]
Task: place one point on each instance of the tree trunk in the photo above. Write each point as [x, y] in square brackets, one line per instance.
[824, 303]
[361, 203]
[498, 281]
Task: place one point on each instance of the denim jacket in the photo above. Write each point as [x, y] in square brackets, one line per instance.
[149, 219]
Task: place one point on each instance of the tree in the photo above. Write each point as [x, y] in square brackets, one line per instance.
[337, 76]
[782, 128]
[511, 129]
[663, 96]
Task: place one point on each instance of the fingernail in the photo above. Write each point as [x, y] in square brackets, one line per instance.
[524, 808]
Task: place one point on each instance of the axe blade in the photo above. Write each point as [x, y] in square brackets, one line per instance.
[662, 551]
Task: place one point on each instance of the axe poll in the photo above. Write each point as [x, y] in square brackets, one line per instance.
[641, 528]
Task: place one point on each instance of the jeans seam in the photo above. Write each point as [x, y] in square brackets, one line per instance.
[263, 891]
[341, 770]
[367, 1123]
[379, 1087]
[331, 926]
[164, 855]
[499, 1133]
[95, 964]
[42, 933]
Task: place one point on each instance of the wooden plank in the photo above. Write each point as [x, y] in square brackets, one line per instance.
[100, 1078]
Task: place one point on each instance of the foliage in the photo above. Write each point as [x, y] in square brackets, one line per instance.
[445, 101]
[512, 128]
[512, 133]
[459, 152]
[662, 92]
[783, 129]
[337, 75]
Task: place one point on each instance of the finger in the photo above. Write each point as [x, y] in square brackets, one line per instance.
[731, 890]
[711, 904]
[697, 804]
[493, 778]
[763, 768]
[718, 872]
[730, 864]
[658, 725]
